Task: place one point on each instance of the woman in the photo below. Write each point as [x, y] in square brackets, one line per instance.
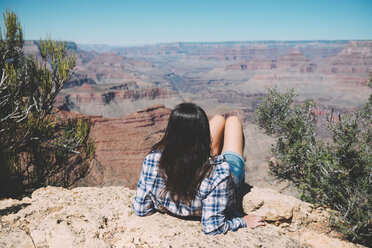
[180, 177]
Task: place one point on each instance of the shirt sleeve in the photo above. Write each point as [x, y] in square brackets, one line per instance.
[142, 204]
[214, 218]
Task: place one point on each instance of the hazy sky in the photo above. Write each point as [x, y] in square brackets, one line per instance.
[139, 22]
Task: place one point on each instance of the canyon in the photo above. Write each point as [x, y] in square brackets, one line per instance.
[128, 93]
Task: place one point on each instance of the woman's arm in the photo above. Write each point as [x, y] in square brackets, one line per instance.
[142, 204]
[215, 204]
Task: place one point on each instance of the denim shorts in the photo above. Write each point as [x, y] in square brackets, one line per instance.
[237, 166]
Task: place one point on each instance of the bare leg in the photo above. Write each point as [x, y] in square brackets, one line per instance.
[233, 137]
[216, 125]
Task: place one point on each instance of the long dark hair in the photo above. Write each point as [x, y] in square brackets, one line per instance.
[186, 147]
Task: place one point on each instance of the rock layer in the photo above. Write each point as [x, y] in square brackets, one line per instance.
[102, 217]
[87, 95]
[122, 143]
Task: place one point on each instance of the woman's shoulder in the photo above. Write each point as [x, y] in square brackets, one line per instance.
[152, 158]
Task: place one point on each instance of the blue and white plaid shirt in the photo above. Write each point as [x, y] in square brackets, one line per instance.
[214, 202]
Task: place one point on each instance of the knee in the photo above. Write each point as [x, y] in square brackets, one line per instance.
[233, 120]
[219, 119]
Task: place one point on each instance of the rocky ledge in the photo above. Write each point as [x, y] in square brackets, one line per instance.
[102, 217]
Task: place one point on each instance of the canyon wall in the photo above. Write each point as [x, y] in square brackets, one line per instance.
[121, 145]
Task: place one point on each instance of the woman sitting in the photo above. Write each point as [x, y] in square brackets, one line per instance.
[180, 177]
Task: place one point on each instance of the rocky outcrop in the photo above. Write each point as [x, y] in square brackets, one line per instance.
[102, 217]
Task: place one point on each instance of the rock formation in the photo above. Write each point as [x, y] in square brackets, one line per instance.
[352, 65]
[115, 101]
[282, 64]
[294, 61]
[122, 143]
[102, 217]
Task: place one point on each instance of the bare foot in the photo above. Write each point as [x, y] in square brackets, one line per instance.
[254, 221]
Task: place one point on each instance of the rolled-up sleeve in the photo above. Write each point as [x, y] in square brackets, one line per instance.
[142, 204]
[214, 218]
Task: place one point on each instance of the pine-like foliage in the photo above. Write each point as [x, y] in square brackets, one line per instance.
[338, 173]
[36, 148]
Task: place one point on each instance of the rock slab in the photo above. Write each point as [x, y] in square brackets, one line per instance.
[103, 217]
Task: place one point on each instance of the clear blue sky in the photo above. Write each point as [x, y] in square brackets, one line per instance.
[138, 22]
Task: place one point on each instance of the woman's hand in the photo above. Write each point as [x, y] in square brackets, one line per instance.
[254, 221]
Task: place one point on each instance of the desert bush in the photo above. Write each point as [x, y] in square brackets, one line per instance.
[36, 147]
[337, 173]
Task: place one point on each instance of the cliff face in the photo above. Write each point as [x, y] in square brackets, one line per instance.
[114, 101]
[122, 143]
[102, 217]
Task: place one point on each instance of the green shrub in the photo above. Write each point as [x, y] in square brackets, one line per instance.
[337, 173]
[36, 148]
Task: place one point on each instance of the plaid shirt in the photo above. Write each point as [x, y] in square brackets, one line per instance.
[214, 202]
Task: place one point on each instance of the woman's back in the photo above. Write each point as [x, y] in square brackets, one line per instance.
[214, 199]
